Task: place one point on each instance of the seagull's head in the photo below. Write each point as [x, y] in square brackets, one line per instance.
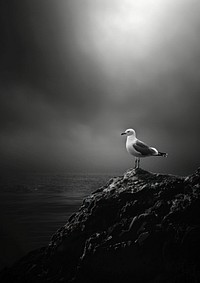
[129, 132]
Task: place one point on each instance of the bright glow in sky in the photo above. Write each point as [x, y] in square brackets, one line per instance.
[124, 26]
[134, 39]
[118, 32]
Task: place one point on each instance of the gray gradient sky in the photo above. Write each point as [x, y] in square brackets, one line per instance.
[76, 73]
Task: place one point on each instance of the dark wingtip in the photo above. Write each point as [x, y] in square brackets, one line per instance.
[164, 154]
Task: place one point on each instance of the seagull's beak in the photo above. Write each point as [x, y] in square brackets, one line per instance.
[123, 134]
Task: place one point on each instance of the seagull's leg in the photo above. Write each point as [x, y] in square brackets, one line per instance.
[136, 163]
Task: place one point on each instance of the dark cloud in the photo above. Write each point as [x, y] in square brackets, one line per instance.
[75, 74]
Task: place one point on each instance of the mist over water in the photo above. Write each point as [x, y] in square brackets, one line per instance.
[34, 206]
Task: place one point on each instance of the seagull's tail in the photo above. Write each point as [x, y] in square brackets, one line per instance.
[164, 154]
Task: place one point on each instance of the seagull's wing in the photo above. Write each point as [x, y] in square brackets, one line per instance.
[143, 148]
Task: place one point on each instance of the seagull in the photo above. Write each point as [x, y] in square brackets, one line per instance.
[138, 148]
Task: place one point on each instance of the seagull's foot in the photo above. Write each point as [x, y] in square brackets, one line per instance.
[139, 170]
[136, 168]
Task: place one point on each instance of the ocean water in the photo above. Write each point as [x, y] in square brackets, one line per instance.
[34, 206]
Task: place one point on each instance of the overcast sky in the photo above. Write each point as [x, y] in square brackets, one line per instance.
[76, 73]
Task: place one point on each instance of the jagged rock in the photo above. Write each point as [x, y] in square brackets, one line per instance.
[139, 227]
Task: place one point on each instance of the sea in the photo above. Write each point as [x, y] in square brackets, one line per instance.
[34, 205]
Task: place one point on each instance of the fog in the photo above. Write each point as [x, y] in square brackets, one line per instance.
[75, 74]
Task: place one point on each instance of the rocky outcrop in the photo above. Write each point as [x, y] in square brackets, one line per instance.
[139, 227]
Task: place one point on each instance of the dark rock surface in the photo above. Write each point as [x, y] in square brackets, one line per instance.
[139, 227]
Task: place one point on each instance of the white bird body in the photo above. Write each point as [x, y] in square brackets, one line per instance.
[131, 141]
[129, 146]
[138, 148]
